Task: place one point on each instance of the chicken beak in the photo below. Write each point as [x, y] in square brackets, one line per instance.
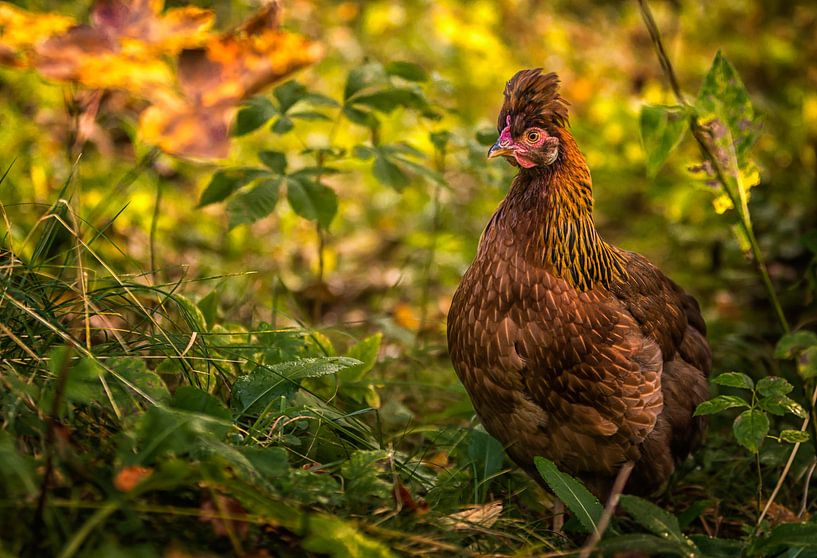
[498, 150]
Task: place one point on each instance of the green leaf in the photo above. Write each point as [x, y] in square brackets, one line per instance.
[440, 139]
[208, 306]
[282, 125]
[794, 436]
[712, 547]
[257, 202]
[659, 521]
[386, 100]
[734, 379]
[362, 117]
[487, 136]
[720, 403]
[773, 385]
[750, 429]
[134, 377]
[271, 462]
[288, 94]
[387, 172]
[649, 544]
[309, 115]
[793, 343]
[227, 181]
[780, 405]
[786, 536]
[575, 496]
[366, 352]
[724, 96]
[189, 398]
[362, 77]
[486, 453]
[84, 381]
[254, 113]
[163, 431]
[406, 70]
[339, 539]
[318, 99]
[274, 160]
[807, 363]
[252, 393]
[662, 129]
[363, 483]
[312, 200]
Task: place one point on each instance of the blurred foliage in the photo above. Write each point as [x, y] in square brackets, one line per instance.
[246, 375]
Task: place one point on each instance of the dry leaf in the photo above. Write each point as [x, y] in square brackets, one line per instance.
[475, 516]
[129, 478]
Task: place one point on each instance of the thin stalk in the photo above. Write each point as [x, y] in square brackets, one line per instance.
[431, 255]
[700, 134]
[154, 225]
[97, 519]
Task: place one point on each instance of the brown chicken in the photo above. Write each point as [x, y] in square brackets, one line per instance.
[571, 348]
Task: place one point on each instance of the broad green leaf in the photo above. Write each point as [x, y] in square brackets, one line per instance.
[750, 429]
[575, 496]
[774, 385]
[407, 71]
[793, 343]
[209, 307]
[18, 473]
[84, 383]
[712, 547]
[255, 112]
[288, 94]
[387, 172]
[734, 379]
[794, 436]
[227, 181]
[337, 538]
[312, 200]
[162, 431]
[780, 405]
[486, 453]
[364, 152]
[654, 518]
[362, 77]
[440, 139]
[366, 352]
[720, 403]
[274, 160]
[386, 100]
[271, 462]
[662, 129]
[318, 99]
[255, 203]
[724, 97]
[134, 377]
[189, 398]
[309, 115]
[191, 312]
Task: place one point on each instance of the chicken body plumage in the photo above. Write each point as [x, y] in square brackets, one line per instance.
[569, 347]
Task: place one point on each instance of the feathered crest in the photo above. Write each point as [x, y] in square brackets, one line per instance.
[532, 98]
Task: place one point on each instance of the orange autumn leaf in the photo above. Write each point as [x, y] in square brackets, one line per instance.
[129, 478]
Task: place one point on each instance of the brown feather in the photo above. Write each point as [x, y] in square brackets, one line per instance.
[569, 347]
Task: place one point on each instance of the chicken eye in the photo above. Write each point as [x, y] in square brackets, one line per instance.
[532, 136]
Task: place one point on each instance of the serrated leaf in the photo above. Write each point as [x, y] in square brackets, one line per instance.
[724, 96]
[734, 379]
[387, 172]
[312, 200]
[794, 436]
[662, 129]
[792, 343]
[572, 493]
[780, 405]
[362, 474]
[720, 403]
[773, 385]
[255, 203]
[274, 160]
[659, 521]
[407, 70]
[750, 429]
[227, 181]
[255, 112]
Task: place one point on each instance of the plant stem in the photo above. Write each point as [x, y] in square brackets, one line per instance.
[432, 249]
[154, 224]
[702, 137]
